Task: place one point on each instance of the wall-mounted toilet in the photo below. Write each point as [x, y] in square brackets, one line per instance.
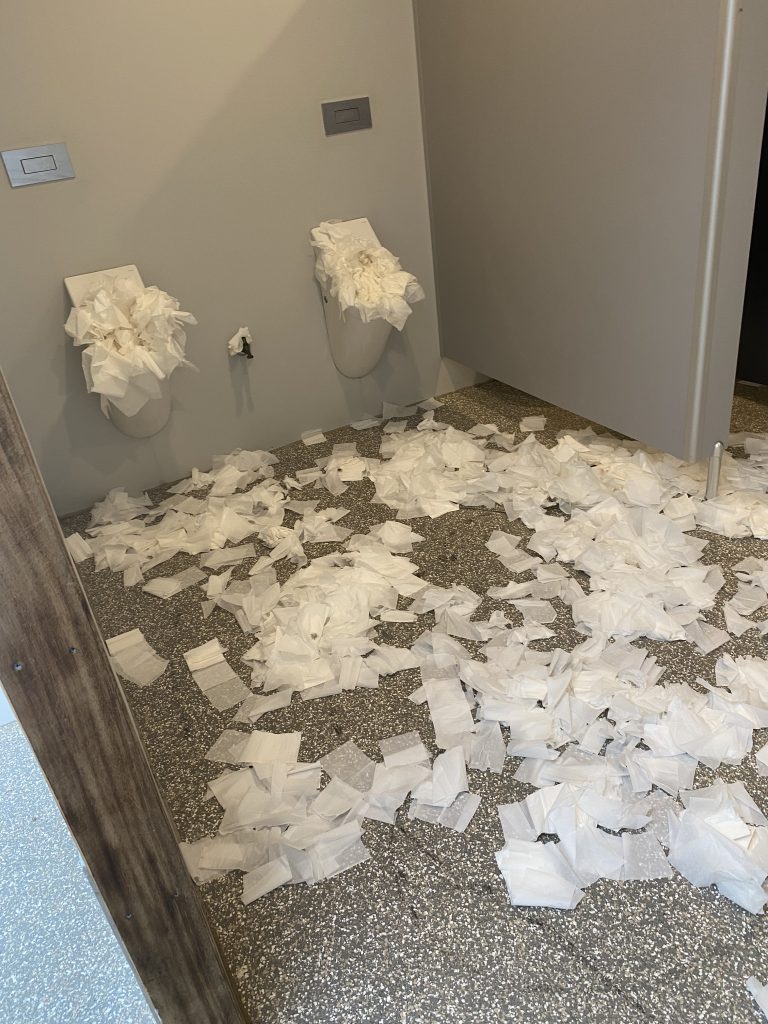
[150, 419]
[155, 413]
[356, 347]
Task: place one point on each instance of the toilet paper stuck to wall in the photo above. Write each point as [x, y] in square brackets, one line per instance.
[133, 338]
[359, 272]
[240, 343]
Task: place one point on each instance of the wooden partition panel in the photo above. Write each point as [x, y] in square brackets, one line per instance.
[55, 669]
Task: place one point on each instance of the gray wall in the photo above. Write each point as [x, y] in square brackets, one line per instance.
[571, 149]
[196, 135]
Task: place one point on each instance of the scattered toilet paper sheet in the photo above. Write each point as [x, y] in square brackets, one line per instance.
[311, 833]
[532, 423]
[255, 706]
[228, 556]
[214, 676]
[78, 547]
[398, 751]
[720, 839]
[134, 659]
[537, 874]
[311, 437]
[759, 993]
[167, 586]
[609, 745]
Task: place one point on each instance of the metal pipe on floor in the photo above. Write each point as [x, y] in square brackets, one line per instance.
[713, 472]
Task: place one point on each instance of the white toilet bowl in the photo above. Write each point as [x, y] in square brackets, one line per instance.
[150, 419]
[356, 346]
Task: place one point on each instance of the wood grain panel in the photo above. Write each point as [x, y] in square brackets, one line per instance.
[55, 669]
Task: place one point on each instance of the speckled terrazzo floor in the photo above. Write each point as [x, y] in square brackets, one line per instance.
[424, 933]
[60, 962]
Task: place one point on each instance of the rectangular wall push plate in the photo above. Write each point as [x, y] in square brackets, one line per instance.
[37, 164]
[347, 115]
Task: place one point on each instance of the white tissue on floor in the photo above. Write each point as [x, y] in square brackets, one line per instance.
[759, 993]
[214, 676]
[608, 741]
[134, 659]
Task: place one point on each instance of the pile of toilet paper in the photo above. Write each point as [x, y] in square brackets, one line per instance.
[133, 338]
[610, 748]
[361, 274]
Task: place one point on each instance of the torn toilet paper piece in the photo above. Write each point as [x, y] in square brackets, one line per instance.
[395, 427]
[268, 747]
[192, 854]
[720, 839]
[735, 623]
[396, 537]
[395, 616]
[362, 274]
[134, 659]
[531, 423]
[78, 547]
[448, 780]
[255, 748]
[451, 715]
[759, 993]
[607, 739]
[337, 798]
[168, 586]
[538, 875]
[240, 342]
[119, 507]
[214, 676]
[643, 857]
[460, 813]
[310, 437]
[455, 816]
[747, 599]
[489, 750]
[132, 338]
[753, 570]
[254, 706]
[228, 556]
[265, 878]
[403, 750]
[707, 638]
[351, 765]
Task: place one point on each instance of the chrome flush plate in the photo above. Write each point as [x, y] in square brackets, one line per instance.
[35, 165]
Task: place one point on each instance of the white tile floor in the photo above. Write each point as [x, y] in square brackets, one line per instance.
[6, 711]
[60, 962]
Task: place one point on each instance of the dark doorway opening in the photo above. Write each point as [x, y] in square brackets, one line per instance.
[752, 366]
